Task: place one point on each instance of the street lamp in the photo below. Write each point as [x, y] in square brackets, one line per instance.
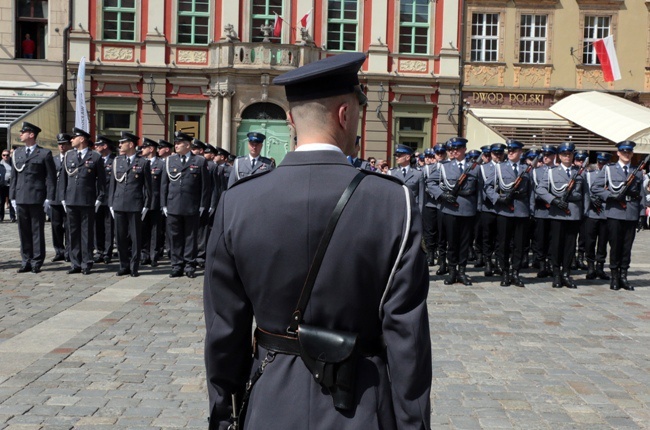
[151, 86]
[73, 81]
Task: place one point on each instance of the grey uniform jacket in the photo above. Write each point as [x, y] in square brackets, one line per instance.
[427, 171]
[220, 176]
[552, 185]
[33, 179]
[185, 187]
[590, 211]
[84, 184]
[59, 194]
[611, 177]
[445, 179]
[486, 176]
[539, 205]
[130, 185]
[157, 167]
[504, 177]
[430, 182]
[258, 269]
[242, 168]
[414, 180]
[108, 175]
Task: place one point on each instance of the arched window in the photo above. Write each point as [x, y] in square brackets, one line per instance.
[264, 111]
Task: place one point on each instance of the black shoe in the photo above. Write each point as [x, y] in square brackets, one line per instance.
[525, 264]
[480, 262]
[59, 257]
[134, 274]
[24, 269]
[107, 260]
[13, 219]
[67, 259]
[505, 279]
[581, 261]
[97, 258]
[516, 280]
[176, 273]
[462, 277]
[146, 262]
[190, 274]
[545, 270]
[451, 277]
[622, 280]
[123, 272]
[574, 263]
[430, 259]
[567, 281]
[614, 284]
[74, 270]
[591, 271]
[36, 269]
[85, 271]
[600, 272]
[489, 271]
[472, 255]
[557, 280]
[154, 263]
[443, 269]
[498, 270]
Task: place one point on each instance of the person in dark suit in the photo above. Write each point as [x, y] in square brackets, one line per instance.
[253, 163]
[33, 187]
[623, 209]
[129, 202]
[256, 270]
[60, 231]
[152, 238]
[185, 195]
[200, 148]
[84, 181]
[221, 175]
[412, 178]
[595, 223]
[104, 222]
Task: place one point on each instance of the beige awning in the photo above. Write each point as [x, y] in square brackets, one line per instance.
[479, 133]
[610, 116]
[47, 116]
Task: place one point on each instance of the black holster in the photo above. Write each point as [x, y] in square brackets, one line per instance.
[331, 356]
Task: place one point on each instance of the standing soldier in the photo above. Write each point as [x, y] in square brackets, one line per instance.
[60, 233]
[104, 223]
[579, 159]
[85, 184]
[412, 178]
[207, 219]
[458, 209]
[33, 186]
[472, 156]
[509, 190]
[129, 202]
[429, 209]
[623, 207]
[151, 225]
[253, 162]
[164, 148]
[541, 241]
[198, 148]
[564, 213]
[488, 211]
[595, 223]
[221, 175]
[478, 231]
[185, 195]
[440, 151]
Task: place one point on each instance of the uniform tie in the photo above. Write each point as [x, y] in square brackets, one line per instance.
[625, 168]
[253, 163]
[514, 168]
[404, 171]
[79, 156]
[460, 167]
[183, 159]
[28, 151]
[128, 161]
[568, 172]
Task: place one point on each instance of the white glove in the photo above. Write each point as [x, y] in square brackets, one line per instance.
[65, 208]
[201, 211]
[210, 211]
[112, 213]
[165, 210]
[647, 198]
[144, 213]
[46, 205]
[97, 205]
[13, 203]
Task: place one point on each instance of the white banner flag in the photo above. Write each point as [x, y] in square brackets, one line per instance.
[81, 113]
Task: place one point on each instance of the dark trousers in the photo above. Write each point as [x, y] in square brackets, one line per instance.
[202, 236]
[458, 230]
[541, 244]
[581, 237]
[621, 237]
[183, 231]
[104, 232]
[442, 237]
[477, 236]
[562, 246]
[430, 225]
[152, 235]
[81, 225]
[489, 233]
[511, 233]
[31, 230]
[60, 236]
[595, 231]
[128, 238]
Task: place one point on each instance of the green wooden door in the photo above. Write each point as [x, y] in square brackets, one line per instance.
[277, 135]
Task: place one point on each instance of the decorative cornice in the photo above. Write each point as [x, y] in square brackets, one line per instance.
[600, 3]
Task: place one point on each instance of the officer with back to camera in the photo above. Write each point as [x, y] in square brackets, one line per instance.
[253, 163]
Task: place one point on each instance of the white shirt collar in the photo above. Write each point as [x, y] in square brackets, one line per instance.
[623, 164]
[318, 147]
[83, 152]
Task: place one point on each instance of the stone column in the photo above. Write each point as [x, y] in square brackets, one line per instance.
[214, 130]
[226, 119]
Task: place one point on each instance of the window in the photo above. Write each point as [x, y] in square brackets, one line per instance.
[414, 27]
[31, 28]
[119, 20]
[342, 24]
[193, 22]
[115, 115]
[596, 27]
[485, 37]
[264, 12]
[532, 39]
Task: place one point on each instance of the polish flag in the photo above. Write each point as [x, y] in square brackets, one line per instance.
[305, 21]
[607, 57]
[277, 26]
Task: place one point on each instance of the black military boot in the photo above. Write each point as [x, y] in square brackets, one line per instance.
[430, 258]
[462, 277]
[505, 278]
[515, 279]
[574, 263]
[591, 270]
[498, 270]
[443, 269]
[622, 279]
[557, 279]
[452, 276]
[480, 261]
[581, 261]
[614, 283]
[567, 281]
[525, 262]
[600, 272]
[544, 271]
[489, 270]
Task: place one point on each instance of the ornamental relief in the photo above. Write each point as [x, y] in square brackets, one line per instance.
[414, 66]
[192, 56]
[484, 74]
[532, 75]
[114, 53]
[593, 77]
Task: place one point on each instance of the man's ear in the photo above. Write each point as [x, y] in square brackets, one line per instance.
[343, 115]
[290, 117]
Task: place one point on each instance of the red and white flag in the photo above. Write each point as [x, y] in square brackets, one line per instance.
[607, 57]
[277, 26]
[305, 21]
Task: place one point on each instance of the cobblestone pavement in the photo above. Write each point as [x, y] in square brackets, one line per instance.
[93, 352]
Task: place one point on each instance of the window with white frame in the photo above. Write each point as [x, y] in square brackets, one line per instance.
[264, 13]
[596, 27]
[342, 25]
[485, 37]
[119, 20]
[193, 22]
[414, 27]
[532, 39]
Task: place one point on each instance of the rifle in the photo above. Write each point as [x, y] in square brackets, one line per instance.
[571, 186]
[462, 178]
[520, 179]
[630, 179]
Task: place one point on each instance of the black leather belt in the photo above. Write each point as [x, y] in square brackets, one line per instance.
[284, 344]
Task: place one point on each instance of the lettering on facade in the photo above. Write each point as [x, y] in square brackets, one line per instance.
[500, 99]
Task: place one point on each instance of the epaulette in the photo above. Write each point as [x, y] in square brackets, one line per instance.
[248, 178]
[266, 159]
[381, 175]
[613, 164]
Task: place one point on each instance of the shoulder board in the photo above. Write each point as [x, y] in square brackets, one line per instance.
[613, 164]
[265, 159]
[251, 177]
[381, 175]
